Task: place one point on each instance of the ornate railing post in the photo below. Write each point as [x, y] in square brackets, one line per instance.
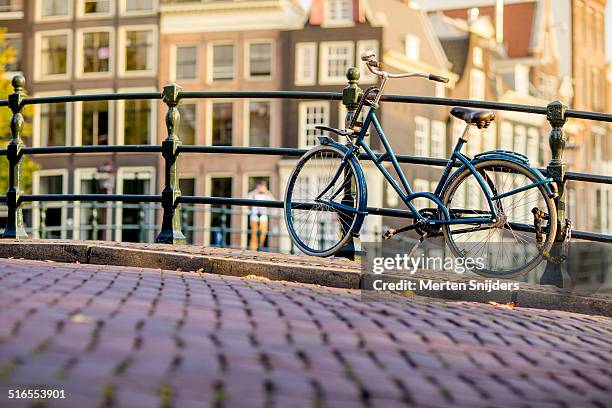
[350, 99]
[14, 223]
[171, 223]
[555, 113]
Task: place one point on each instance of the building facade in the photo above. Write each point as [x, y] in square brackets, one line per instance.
[82, 46]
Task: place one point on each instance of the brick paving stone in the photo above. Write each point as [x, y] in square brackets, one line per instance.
[133, 337]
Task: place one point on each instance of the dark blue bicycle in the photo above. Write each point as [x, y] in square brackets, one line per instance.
[494, 207]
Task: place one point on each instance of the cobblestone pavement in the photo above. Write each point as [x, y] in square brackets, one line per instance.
[129, 337]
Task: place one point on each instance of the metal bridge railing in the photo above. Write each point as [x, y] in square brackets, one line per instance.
[171, 149]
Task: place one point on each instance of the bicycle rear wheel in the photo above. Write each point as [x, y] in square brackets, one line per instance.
[510, 247]
[323, 228]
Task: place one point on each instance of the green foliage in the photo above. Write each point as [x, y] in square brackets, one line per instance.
[7, 54]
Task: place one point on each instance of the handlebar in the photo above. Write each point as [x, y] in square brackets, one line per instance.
[369, 57]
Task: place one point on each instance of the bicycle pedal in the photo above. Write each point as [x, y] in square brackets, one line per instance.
[388, 234]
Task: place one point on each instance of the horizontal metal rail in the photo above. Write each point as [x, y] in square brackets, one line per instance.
[92, 149]
[425, 100]
[126, 198]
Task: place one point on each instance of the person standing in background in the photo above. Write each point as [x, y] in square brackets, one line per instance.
[258, 219]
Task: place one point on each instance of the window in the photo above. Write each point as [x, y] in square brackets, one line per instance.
[137, 117]
[188, 127]
[139, 50]
[10, 6]
[54, 8]
[521, 79]
[133, 220]
[260, 60]
[520, 139]
[413, 47]
[187, 187]
[220, 217]
[54, 54]
[533, 144]
[96, 52]
[335, 59]
[186, 62]
[95, 121]
[53, 213]
[477, 84]
[312, 114]
[90, 184]
[506, 141]
[421, 136]
[438, 139]
[53, 124]
[338, 12]
[222, 62]
[138, 5]
[440, 90]
[14, 43]
[305, 63]
[222, 123]
[597, 146]
[548, 87]
[477, 57]
[259, 123]
[595, 90]
[96, 7]
[362, 46]
[420, 186]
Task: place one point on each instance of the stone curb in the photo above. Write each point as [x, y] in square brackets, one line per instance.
[303, 269]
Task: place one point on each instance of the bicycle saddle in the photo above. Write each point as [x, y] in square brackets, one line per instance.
[481, 118]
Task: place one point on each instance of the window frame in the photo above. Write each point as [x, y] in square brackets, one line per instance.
[12, 14]
[247, 59]
[326, 22]
[38, 17]
[38, 61]
[209, 120]
[299, 79]
[78, 116]
[20, 35]
[442, 127]
[124, 12]
[361, 46]
[247, 120]
[80, 55]
[63, 205]
[37, 117]
[197, 121]
[174, 60]
[324, 46]
[210, 58]
[302, 109]
[122, 50]
[426, 137]
[119, 131]
[477, 75]
[90, 16]
[122, 173]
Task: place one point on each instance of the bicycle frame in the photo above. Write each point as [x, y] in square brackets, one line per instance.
[407, 195]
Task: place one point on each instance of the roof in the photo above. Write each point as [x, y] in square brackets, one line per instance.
[456, 50]
[519, 25]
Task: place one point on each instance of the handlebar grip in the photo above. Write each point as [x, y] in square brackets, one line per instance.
[437, 78]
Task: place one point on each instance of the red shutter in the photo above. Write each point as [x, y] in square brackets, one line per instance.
[316, 12]
[358, 11]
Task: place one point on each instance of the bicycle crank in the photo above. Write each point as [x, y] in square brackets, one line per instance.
[391, 232]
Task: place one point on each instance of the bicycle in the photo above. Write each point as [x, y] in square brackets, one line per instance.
[494, 205]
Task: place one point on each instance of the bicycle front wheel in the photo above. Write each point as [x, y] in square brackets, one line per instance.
[509, 247]
[321, 224]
